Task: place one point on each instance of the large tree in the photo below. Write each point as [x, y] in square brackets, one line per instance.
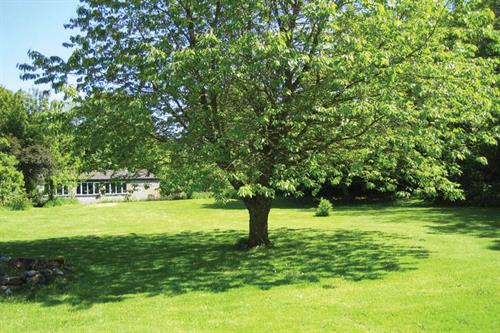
[277, 94]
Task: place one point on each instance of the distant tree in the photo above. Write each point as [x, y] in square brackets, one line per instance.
[115, 132]
[39, 137]
[275, 95]
[58, 128]
[11, 180]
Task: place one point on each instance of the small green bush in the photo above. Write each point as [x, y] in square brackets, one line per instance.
[177, 196]
[18, 202]
[202, 195]
[324, 208]
[60, 202]
[187, 195]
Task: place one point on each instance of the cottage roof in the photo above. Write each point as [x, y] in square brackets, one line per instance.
[119, 174]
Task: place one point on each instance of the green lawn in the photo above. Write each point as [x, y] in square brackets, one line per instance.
[172, 266]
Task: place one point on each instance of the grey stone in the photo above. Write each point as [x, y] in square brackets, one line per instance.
[11, 280]
[22, 263]
[5, 290]
[36, 279]
[30, 273]
[46, 272]
[4, 259]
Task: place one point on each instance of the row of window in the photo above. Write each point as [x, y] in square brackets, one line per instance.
[89, 188]
[93, 188]
[62, 190]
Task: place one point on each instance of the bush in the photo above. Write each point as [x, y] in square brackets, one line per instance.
[18, 202]
[176, 196]
[324, 208]
[11, 180]
[60, 202]
[202, 195]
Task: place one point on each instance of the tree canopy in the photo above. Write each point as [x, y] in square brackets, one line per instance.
[36, 140]
[277, 95]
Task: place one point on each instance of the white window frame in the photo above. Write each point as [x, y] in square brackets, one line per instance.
[110, 188]
[62, 191]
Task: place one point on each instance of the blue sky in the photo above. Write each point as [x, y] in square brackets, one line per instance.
[35, 25]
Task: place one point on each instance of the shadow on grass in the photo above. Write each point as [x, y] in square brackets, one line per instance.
[496, 245]
[475, 221]
[292, 203]
[478, 222]
[308, 203]
[109, 268]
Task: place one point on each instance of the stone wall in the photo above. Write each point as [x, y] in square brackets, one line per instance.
[18, 274]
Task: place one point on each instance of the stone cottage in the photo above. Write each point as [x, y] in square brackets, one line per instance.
[113, 186]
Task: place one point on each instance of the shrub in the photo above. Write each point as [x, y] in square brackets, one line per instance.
[18, 202]
[11, 180]
[60, 202]
[177, 196]
[202, 195]
[324, 207]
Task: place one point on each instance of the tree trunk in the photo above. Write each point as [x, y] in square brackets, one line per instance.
[52, 189]
[258, 209]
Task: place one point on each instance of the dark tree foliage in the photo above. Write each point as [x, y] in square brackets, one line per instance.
[20, 126]
[480, 179]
